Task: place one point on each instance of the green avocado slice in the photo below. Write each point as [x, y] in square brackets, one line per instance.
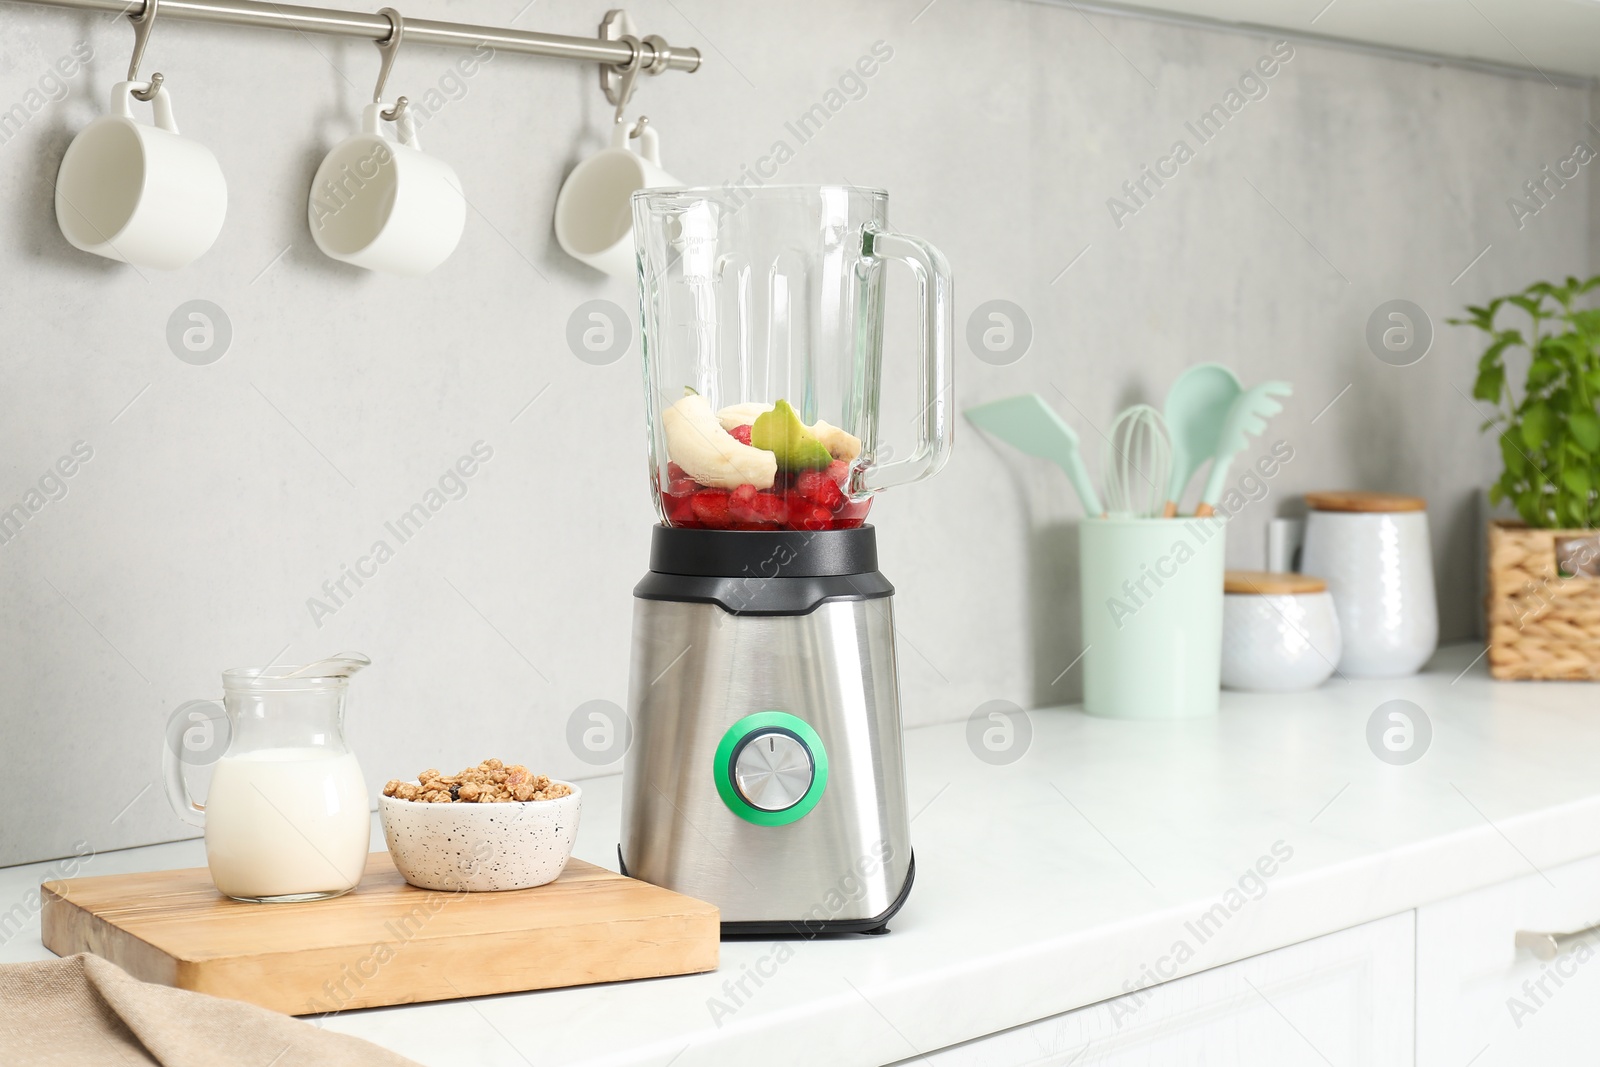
[781, 432]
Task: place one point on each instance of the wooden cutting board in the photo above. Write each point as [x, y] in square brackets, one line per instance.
[385, 942]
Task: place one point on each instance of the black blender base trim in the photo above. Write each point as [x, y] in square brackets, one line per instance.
[763, 572]
[763, 596]
[877, 924]
[761, 554]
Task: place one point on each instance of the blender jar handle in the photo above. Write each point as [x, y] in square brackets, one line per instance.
[938, 367]
[178, 789]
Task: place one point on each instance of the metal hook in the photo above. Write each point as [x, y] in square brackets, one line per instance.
[638, 127]
[143, 23]
[630, 75]
[387, 48]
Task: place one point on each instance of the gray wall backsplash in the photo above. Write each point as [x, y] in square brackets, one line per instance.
[211, 502]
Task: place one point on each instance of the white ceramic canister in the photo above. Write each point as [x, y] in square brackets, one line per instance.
[1280, 632]
[1373, 551]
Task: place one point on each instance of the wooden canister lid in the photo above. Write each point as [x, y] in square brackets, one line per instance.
[1362, 501]
[1266, 583]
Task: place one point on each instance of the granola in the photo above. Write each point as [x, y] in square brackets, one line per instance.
[490, 782]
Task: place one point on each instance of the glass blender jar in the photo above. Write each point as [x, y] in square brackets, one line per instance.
[766, 762]
[762, 322]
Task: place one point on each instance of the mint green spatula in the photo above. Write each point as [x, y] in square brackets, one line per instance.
[1029, 425]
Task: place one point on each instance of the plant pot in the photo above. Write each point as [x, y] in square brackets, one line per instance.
[1543, 603]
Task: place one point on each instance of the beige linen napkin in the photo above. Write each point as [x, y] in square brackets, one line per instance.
[83, 1010]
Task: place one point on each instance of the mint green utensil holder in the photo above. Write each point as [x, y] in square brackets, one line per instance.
[1152, 616]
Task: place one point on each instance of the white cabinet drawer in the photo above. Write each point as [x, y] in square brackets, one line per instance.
[1344, 998]
[1482, 1000]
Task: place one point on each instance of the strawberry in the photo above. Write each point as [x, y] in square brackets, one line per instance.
[816, 487]
[741, 433]
[711, 508]
[852, 514]
[741, 505]
[810, 517]
[839, 473]
[682, 487]
[674, 472]
[771, 508]
[680, 511]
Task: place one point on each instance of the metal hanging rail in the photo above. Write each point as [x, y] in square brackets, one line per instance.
[653, 53]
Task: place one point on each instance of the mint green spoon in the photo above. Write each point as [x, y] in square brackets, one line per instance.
[1197, 407]
[1029, 425]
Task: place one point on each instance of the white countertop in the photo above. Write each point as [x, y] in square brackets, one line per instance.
[1050, 883]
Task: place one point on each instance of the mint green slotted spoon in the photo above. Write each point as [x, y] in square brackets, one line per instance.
[1246, 419]
[1029, 425]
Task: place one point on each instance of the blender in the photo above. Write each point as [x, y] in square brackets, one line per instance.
[766, 773]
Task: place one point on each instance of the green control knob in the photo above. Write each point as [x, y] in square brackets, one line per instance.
[770, 768]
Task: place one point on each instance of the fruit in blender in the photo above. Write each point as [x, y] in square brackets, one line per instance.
[750, 509]
[790, 441]
[741, 414]
[711, 508]
[798, 480]
[708, 453]
[819, 488]
[841, 444]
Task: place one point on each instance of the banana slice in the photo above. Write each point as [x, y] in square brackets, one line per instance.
[741, 414]
[840, 443]
[709, 454]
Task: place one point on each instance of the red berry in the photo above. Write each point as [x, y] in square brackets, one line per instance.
[711, 508]
[852, 514]
[839, 472]
[674, 472]
[816, 487]
[741, 505]
[682, 487]
[741, 434]
[810, 517]
[680, 511]
[771, 508]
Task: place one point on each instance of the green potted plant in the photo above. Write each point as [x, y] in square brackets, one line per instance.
[1544, 572]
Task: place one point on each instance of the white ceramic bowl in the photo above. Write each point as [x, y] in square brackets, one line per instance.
[1279, 642]
[481, 847]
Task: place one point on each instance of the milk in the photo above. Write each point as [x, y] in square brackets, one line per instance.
[287, 822]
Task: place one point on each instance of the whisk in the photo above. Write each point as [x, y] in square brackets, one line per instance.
[1138, 464]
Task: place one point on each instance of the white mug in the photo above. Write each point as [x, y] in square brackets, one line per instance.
[594, 210]
[386, 205]
[137, 193]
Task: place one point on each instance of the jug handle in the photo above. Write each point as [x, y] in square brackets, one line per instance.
[178, 789]
[938, 359]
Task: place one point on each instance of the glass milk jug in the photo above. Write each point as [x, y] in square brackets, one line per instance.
[286, 817]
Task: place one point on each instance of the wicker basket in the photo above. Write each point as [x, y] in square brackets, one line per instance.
[1544, 620]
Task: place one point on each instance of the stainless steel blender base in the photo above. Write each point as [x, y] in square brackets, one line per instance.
[703, 683]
